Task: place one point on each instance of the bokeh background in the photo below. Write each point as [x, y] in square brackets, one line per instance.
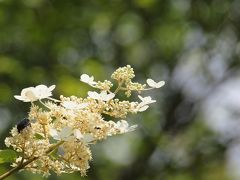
[192, 132]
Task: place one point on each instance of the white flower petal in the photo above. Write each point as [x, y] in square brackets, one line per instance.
[73, 105]
[102, 96]
[21, 98]
[53, 132]
[68, 138]
[66, 132]
[151, 82]
[88, 138]
[51, 88]
[160, 84]
[69, 104]
[40, 87]
[27, 95]
[84, 78]
[87, 79]
[43, 91]
[122, 124]
[77, 133]
[124, 127]
[106, 97]
[132, 128]
[146, 100]
[154, 84]
[143, 108]
[82, 105]
[93, 95]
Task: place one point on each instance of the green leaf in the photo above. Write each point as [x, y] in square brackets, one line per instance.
[54, 154]
[38, 136]
[7, 155]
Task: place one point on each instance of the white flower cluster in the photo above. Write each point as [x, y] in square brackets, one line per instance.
[59, 133]
[39, 92]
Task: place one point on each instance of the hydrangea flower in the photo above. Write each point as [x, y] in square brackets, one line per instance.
[31, 94]
[87, 79]
[65, 134]
[154, 84]
[103, 96]
[144, 104]
[74, 105]
[124, 127]
[74, 122]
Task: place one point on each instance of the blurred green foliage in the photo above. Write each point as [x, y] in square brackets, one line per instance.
[54, 41]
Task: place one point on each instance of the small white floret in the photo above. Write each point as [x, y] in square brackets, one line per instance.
[65, 134]
[74, 105]
[143, 106]
[104, 96]
[124, 127]
[87, 79]
[31, 94]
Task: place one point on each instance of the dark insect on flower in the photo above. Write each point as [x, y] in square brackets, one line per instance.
[23, 124]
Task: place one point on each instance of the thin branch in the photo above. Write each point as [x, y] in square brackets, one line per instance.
[22, 165]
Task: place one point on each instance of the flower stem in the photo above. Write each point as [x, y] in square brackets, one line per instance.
[44, 130]
[119, 87]
[44, 104]
[53, 99]
[22, 165]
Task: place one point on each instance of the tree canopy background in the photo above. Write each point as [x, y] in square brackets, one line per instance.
[193, 130]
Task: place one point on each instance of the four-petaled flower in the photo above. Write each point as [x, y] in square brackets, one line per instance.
[154, 84]
[144, 104]
[87, 79]
[73, 105]
[31, 94]
[87, 138]
[103, 96]
[66, 134]
[124, 127]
